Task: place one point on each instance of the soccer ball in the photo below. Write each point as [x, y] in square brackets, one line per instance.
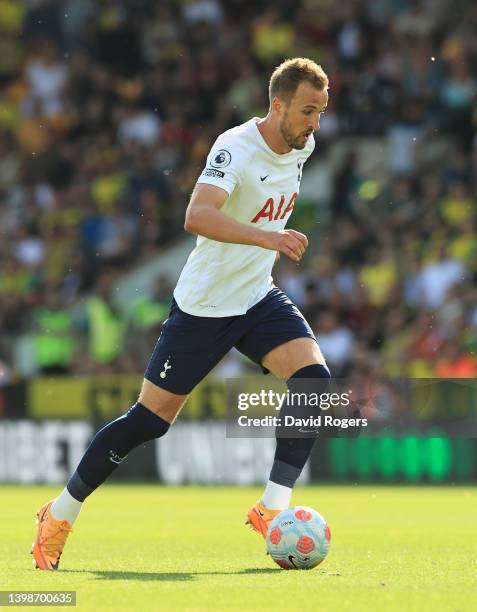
[298, 538]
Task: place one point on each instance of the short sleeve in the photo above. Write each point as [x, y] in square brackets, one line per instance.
[225, 164]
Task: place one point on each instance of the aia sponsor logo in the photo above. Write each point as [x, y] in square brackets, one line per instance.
[269, 212]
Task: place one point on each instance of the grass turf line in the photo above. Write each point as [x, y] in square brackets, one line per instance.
[152, 547]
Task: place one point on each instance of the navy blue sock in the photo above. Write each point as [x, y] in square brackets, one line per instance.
[292, 453]
[111, 445]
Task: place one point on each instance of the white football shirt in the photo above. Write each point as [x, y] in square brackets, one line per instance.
[221, 279]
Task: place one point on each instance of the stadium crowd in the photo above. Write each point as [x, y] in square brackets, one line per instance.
[108, 109]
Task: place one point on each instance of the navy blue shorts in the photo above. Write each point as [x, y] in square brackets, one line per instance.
[189, 346]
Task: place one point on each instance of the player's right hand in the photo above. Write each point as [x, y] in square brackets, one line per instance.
[289, 242]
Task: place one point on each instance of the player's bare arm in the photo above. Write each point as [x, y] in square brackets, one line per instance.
[205, 218]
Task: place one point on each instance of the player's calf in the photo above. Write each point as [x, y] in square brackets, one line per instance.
[292, 452]
[105, 453]
[290, 456]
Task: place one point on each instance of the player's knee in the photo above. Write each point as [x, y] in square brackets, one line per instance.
[163, 403]
[291, 357]
[305, 384]
[315, 370]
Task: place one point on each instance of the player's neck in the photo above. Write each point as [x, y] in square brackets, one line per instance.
[270, 131]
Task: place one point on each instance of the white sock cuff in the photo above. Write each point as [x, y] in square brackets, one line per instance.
[276, 496]
[65, 507]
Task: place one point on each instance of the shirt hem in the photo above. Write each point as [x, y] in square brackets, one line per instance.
[213, 314]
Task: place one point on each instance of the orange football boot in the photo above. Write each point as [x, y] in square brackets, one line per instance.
[50, 539]
[259, 518]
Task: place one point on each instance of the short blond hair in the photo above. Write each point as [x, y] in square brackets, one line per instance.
[289, 74]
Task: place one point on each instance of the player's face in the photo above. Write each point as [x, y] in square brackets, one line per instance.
[301, 116]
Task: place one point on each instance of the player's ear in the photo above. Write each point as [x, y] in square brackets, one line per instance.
[277, 104]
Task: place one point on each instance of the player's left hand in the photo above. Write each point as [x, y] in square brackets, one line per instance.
[290, 242]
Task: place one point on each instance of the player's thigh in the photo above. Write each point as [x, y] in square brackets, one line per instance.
[279, 337]
[165, 404]
[186, 351]
[287, 358]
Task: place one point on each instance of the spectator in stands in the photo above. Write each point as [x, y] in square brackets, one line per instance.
[108, 109]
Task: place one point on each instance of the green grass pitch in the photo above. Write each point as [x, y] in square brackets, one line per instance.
[150, 547]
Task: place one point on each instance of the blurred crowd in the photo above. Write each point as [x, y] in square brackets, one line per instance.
[108, 109]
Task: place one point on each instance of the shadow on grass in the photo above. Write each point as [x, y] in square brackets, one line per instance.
[166, 576]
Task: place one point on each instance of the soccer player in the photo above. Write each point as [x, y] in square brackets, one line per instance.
[225, 297]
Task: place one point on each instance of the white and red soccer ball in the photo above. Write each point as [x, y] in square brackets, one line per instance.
[298, 538]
